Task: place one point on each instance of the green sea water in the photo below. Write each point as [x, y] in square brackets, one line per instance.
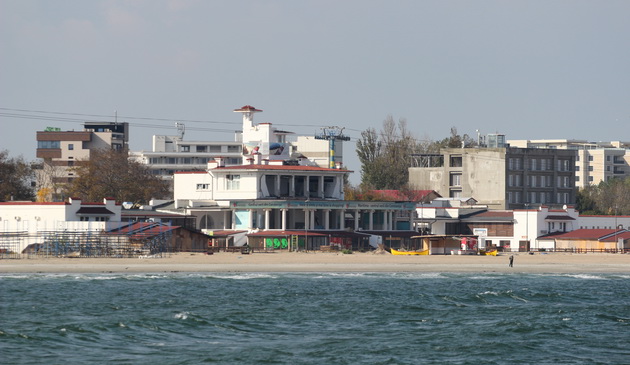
[315, 318]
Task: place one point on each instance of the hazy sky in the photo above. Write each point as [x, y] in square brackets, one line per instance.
[527, 69]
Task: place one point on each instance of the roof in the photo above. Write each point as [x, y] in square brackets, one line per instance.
[279, 168]
[559, 218]
[247, 108]
[287, 233]
[589, 234]
[406, 234]
[94, 210]
[139, 230]
[411, 195]
[223, 233]
[482, 214]
[625, 235]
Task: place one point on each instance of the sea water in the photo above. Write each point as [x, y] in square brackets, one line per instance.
[315, 318]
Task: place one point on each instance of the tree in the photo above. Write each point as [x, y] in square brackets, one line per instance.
[16, 176]
[110, 174]
[454, 141]
[385, 156]
[610, 197]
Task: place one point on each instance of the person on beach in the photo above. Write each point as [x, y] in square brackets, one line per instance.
[511, 260]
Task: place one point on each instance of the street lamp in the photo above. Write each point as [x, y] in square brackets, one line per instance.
[527, 225]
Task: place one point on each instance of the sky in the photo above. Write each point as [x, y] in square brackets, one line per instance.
[527, 69]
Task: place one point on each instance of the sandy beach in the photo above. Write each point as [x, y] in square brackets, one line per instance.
[325, 262]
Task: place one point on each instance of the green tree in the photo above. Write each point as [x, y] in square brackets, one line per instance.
[16, 176]
[610, 197]
[385, 156]
[110, 174]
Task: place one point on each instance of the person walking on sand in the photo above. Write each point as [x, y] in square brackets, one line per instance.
[511, 260]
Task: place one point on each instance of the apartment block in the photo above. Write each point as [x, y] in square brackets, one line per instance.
[501, 178]
[595, 161]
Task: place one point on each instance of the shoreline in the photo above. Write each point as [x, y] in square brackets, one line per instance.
[223, 262]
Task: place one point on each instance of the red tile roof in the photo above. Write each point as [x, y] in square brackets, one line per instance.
[247, 108]
[279, 167]
[625, 235]
[412, 195]
[589, 234]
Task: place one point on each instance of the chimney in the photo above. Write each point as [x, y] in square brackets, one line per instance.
[220, 161]
[248, 115]
[257, 158]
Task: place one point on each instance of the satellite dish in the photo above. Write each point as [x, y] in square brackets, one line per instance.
[127, 205]
[564, 207]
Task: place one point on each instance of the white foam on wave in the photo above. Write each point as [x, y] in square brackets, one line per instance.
[586, 276]
[181, 315]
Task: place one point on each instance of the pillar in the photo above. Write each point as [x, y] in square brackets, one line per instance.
[356, 220]
[307, 219]
[252, 218]
[284, 219]
[312, 218]
[267, 212]
[225, 219]
[371, 220]
[342, 219]
[326, 219]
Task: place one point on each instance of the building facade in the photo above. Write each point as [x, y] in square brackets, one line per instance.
[171, 154]
[60, 150]
[501, 178]
[595, 161]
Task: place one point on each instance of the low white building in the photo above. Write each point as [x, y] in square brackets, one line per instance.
[24, 223]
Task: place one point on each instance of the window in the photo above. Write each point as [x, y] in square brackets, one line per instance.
[185, 148]
[456, 179]
[71, 147]
[590, 158]
[533, 164]
[201, 148]
[590, 179]
[456, 161]
[48, 144]
[543, 164]
[232, 182]
[549, 181]
[214, 148]
[577, 167]
[234, 149]
[511, 182]
[590, 168]
[203, 186]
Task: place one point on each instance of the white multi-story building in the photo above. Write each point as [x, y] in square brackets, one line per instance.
[172, 154]
[595, 162]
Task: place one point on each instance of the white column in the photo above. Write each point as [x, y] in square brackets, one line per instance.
[326, 219]
[342, 219]
[411, 213]
[284, 219]
[252, 218]
[233, 219]
[278, 185]
[321, 187]
[356, 220]
[307, 220]
[267, 211]
[225, 219]
[312, 218]
[307, 187]
[292, 186]
[371, 220]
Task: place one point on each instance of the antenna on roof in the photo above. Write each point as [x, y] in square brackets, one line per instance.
[181, 128]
